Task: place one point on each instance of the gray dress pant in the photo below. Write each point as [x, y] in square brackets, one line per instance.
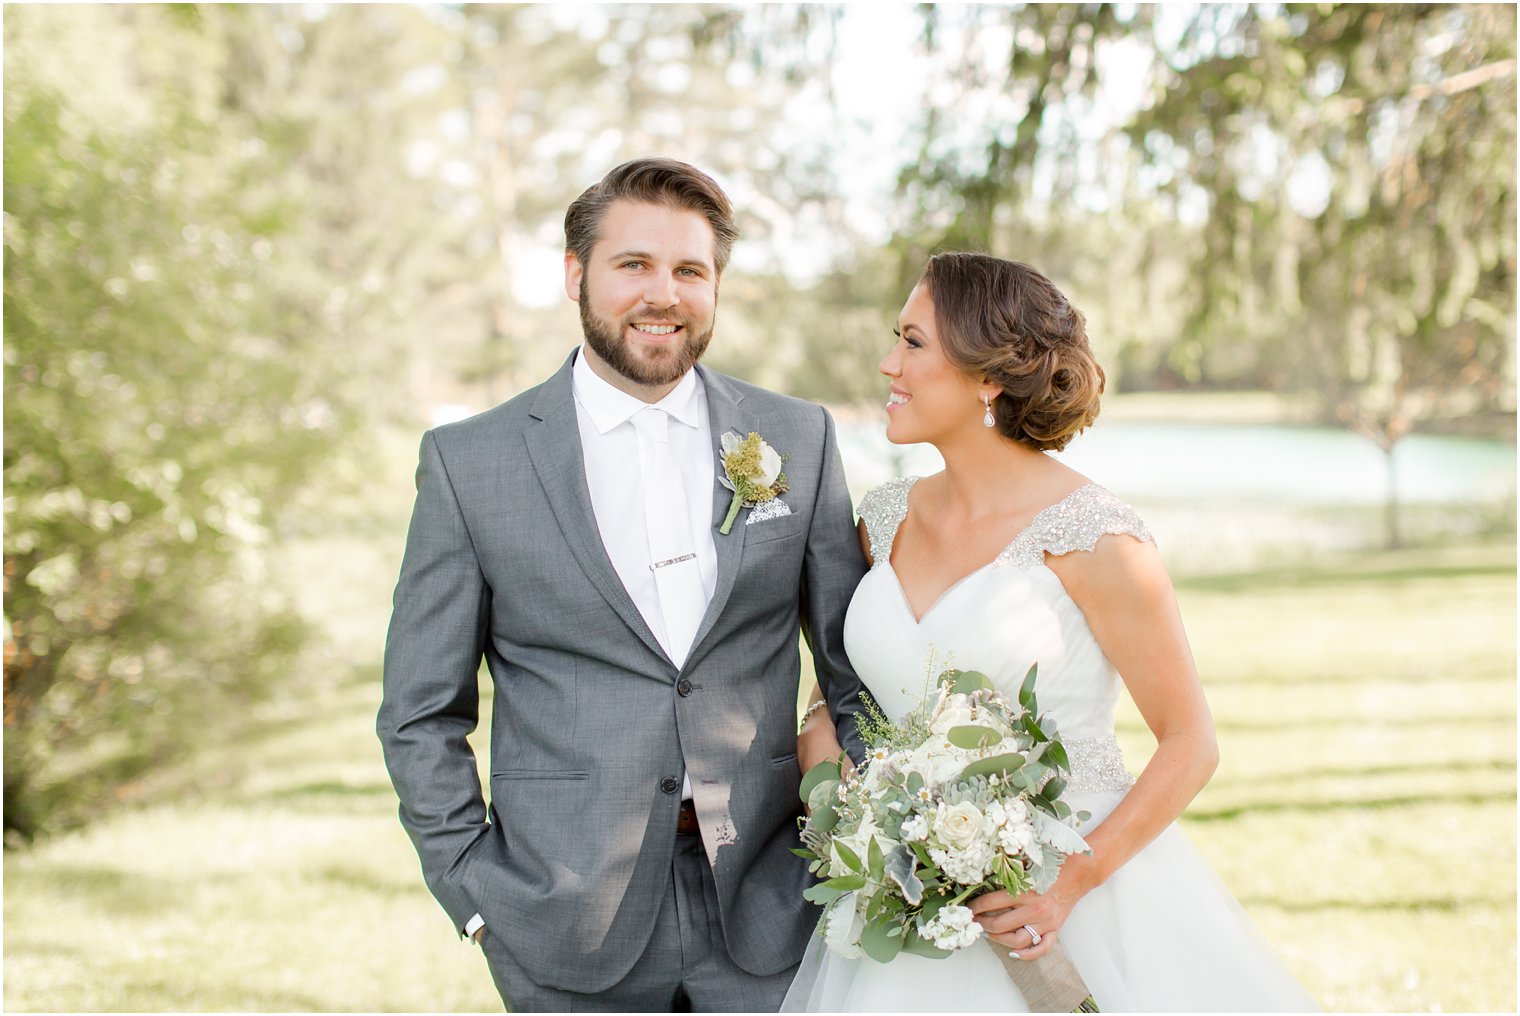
[685, 968]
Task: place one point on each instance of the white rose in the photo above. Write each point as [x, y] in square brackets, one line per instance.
[958, 825]
[915, 829]
[952, 928]
[955, 711]
[938, 762]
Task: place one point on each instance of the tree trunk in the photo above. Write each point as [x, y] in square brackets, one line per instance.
[1393, 537]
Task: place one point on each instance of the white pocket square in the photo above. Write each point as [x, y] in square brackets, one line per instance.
[775, 508]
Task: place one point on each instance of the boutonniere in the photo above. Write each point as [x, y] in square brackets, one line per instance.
[752, 470]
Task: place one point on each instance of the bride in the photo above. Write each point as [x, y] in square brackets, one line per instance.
[1009, 558]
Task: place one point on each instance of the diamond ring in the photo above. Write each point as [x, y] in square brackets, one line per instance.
[1034, 935]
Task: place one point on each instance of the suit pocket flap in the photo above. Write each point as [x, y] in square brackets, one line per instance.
[541, 774]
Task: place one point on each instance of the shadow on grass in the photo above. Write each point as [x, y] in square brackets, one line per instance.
[1355, 573]
[1286, 777]
[1418, 677]
[322, 788]
[1342, 723]
[123, 894]
[1348, 804]
[1412, 904]
[405, 886]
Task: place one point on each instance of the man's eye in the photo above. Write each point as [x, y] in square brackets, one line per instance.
[633, 264]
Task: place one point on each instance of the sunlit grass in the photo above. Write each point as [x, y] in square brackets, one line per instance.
[1363, 814]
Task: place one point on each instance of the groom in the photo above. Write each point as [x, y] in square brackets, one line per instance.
[634, 854]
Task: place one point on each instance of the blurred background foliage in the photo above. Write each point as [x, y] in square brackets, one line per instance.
[245, 243]
[251, 251]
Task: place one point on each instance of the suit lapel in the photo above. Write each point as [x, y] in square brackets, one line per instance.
[554, 445]
[724, 414]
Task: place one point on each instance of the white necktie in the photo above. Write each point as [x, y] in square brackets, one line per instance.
[672, 551]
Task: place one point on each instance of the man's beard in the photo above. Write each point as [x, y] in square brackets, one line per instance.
[610, 343]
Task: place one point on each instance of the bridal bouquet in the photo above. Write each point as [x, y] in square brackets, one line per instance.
[959, 798]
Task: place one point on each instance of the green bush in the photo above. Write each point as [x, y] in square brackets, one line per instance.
[159, 412]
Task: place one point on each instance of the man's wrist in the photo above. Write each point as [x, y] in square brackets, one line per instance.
[473, 927]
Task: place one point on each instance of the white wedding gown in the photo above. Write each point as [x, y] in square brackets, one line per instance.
[1162, 934]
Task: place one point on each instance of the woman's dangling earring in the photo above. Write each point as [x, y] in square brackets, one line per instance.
[987, 420]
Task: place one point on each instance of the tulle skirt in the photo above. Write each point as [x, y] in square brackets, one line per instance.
[1161, 935]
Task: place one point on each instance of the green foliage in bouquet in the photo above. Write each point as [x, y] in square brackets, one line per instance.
[959, 797]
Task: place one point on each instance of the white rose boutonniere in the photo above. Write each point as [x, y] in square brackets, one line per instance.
[752, 470]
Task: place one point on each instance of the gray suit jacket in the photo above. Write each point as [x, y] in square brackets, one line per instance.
[589, 733]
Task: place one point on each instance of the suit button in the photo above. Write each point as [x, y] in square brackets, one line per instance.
[683, 687]
[670, 784]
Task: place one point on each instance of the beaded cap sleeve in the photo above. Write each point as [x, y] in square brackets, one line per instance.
[882, 510]
[1076, 522]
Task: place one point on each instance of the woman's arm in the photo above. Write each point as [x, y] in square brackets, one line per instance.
[817, 740]
[1123, 590]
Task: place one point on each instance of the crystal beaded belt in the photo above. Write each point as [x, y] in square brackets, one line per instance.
[1097, 764]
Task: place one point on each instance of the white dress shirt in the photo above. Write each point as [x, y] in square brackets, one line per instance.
[610, 446]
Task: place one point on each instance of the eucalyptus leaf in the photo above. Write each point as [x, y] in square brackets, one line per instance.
[823, 795]
[878, 942]
[824, 818]
[823, 772]
[972, 737]
[919, 946]
[964, 682]
[845, 883]
[1002, 765]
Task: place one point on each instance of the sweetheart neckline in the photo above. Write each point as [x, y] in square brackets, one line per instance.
[918, 619]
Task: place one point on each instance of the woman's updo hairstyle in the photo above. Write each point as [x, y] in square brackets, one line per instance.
[1005, 322]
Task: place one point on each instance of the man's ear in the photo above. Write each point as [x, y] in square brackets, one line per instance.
[573, 273]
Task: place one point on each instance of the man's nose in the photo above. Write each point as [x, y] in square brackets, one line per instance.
[661, 290]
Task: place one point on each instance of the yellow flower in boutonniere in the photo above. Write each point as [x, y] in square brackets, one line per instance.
[752, 470]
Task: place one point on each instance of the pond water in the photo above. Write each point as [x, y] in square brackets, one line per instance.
[1241, 497]
[1288, 465]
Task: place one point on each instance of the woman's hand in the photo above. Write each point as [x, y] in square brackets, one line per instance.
[1007, 919]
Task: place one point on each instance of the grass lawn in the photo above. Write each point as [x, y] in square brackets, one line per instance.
[1364, 814]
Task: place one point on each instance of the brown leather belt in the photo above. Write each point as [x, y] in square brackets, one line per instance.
[686, 823]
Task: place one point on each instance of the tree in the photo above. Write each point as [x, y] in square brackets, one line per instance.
[204, 289]
[1358, 167]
